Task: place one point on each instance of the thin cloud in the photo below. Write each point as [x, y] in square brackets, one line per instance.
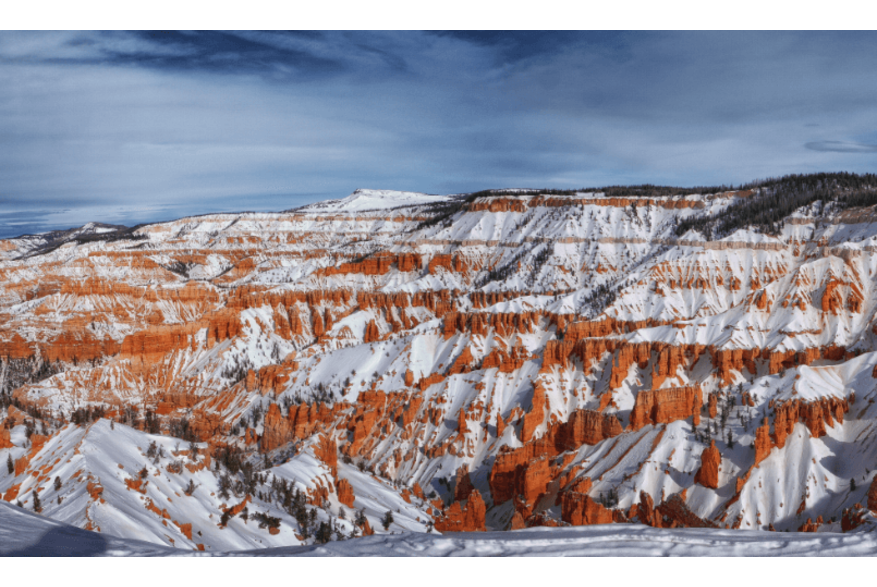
[841, 147]
[93, 124]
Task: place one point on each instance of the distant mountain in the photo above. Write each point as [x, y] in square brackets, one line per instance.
[363, 199]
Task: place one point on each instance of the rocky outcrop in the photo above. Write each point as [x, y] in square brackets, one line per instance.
[816, 415]
[345, 492]
[579, 509]
[663, 406]
[535, 416]
[524, 471]
[762, 442]
[710, 460]
[469, 517]
[463, 486]
[378, 264]
[300, 423]
[451, 263]
[586, 427]
[371, 332]
[326, 450]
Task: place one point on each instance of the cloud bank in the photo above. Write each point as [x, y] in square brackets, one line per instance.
[132, 127]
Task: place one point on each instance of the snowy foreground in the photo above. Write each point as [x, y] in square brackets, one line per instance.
[23, 533]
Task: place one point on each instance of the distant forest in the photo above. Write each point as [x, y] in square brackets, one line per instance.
[779, 197]
[764, 211]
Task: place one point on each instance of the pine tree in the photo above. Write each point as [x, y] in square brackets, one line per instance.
[852, 484]
[387, 520]
[57, 484]
[10, 466]
[37, 506]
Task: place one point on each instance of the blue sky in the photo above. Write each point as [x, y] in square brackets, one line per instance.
[135, 127]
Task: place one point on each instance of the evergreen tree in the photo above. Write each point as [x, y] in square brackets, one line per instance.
[10, 466]
[324, 533]
[37, 506]
[387, 520]
[852, 484]
[360, 518]
[57, 484]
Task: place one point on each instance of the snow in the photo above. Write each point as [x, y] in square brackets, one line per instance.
[365, 199]
[23, 533]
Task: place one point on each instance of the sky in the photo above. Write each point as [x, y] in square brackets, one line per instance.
[132, 127]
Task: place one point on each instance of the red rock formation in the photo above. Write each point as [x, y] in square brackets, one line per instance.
[852, 518]
[277, 429]
[645, 511]
[302, 421]
[497, 205]
[535, 416]
[517, 522]
[725, 361]
[371, 332]
[326, 450]
[680, 516]
[832, 298]
[579, 509]
[463, 363]
[345, 492]
[451, 263]
[467, 518]
[378, 264]
[762, 442]
[5, 438]
[816, 415]
[810, 525]
[663, 406]
[708, 474]
[586, 427]
[464, 486]
[517, 473]
[500, 425]
[461, 423]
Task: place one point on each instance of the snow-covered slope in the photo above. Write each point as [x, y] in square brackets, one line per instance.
[364, 199]
[492, 362]
[23, 533]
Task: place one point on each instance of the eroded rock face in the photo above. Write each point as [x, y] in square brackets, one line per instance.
[587, 427]
[710, 460]
[762, 442]
[437, 369]
[816, 415]
[327, 451]
[663, 406]
[464, 486]
[345, 492]
[469, 517]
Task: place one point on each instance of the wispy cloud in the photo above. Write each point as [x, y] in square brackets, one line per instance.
[841, 147]
[125, 127]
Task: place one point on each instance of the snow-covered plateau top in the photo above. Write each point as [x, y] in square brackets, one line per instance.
[364, 199]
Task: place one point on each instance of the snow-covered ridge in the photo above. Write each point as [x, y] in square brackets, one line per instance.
[365, 199]
[23, 533]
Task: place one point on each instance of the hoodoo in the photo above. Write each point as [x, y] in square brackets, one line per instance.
[485, 362]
